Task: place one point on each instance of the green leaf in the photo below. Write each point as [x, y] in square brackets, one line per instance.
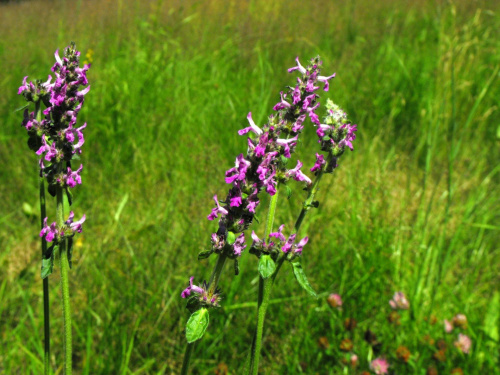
[204, 254]
[256, 218]
[301, 277]
[69, 194]
[197, 325]
[288, 191]
[28, 210]
[21, 108]
[48, 261]
[266, 266]
[231, 238]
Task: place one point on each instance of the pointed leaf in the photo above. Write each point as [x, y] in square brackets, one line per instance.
[48, 261]
[197, 325]
[204, 254]
[266, 266]
[69, 194]
[301, 277]
[288, 191]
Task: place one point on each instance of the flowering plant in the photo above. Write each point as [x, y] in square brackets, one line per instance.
[264, 168]
[57, 141]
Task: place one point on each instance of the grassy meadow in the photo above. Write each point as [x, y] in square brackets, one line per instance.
[415, 207]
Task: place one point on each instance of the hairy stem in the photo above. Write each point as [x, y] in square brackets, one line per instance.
[46, 311]
[265, 286]
[64, 265]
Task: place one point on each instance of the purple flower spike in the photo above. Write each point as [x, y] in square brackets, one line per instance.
[320, 162]
[283, 104]
[191, 288]
[300, 245]
[23, 87]
[325, 80]
[270, 184]
[297, 174]
[50, 232]
[285, 143]
[299, 67]
[253, 128]
[239, 171]
[239, 244]
[217, 210]
[314, 117]
[279, 235]
[291, 246]
[73, 177]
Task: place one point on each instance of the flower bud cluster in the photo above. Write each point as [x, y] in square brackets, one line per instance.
[53, 233]
[335, 134]
[280, 244]
[55, 138]
[203, 296]
[269, 149]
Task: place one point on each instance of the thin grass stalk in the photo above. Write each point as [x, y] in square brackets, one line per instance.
[64, 264]
[46, 310]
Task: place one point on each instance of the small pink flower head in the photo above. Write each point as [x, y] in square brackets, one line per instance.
[448, 326]
[354, 360]
[463, 343]
[399, 302]
[379, 366]
[335, 300]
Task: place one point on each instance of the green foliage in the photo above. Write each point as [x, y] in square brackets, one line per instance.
[197, 325]
[301, 277]
[266, 266]
[415, 207]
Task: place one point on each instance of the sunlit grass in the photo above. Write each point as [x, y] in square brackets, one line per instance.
[414, 208]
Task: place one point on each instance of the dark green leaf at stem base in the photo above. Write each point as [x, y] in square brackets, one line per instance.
[301, 277]
[197, 325]
[266, 266]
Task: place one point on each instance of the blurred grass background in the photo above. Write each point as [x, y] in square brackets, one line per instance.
[414, 208]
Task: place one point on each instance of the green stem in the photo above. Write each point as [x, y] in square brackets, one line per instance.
[64, 264]
[187, 358]
[212, 286]
[265, 286]
[46, 311]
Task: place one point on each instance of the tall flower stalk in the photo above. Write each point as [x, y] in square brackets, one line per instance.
[57, 141]
[262, 169]
[335, 135]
